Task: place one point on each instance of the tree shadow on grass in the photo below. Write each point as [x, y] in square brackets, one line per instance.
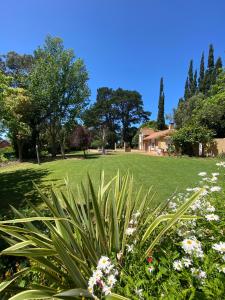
[18, 186]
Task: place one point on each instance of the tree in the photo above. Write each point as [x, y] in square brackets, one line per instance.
[191, 78]
[189, 137]
[210, 73]
[102, 118]
[195, 84]
[14, 108]
[202, 74]
[211, 113]
[18, 66]
[186, 90]
[58, 85]
[218, 67]
[161, 119]
[80, 138]
[130, 111]
[184, 113]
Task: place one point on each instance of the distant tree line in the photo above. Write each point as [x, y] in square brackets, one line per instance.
[44, 104]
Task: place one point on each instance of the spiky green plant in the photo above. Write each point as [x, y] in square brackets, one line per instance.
[77, 232]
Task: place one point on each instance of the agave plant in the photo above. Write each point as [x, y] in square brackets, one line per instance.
[77, 232]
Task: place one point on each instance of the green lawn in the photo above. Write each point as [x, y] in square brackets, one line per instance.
[165, 174]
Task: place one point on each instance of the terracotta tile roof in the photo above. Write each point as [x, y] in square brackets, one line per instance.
[158, 134]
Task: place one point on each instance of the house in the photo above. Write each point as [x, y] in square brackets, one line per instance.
[4, 144]
[155, 142]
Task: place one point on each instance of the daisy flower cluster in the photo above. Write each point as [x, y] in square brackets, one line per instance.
[103, 278]
[133, 223]
[191, 231]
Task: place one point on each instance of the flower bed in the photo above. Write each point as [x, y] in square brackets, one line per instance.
[111, 245]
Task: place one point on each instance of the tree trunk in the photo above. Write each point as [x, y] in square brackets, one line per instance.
[20, 150]
[62, 150]
[53, 147]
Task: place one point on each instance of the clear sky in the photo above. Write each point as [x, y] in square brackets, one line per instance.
[124, 43]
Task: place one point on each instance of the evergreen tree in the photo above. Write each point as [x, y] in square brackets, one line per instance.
[211, 58]
[190, 74]
[161, 119]
[186, 90]
[201, 74]
[210, 72]
[218, 67]
[195, 84]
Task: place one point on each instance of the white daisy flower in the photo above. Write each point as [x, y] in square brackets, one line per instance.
[221, 269]
[97, 275]
[137, 214]
[130, 248]
[106, 290]
[212, 217]
[187, 262]
[130, 230]
[215, 174]
[220, 247]
[198, 273]
[210, 208]
[111, 280]
[215, 189]
[189, 245]
[202, 174]
[103, 263]
[177, 265]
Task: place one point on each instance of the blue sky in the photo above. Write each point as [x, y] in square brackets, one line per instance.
[124, 43]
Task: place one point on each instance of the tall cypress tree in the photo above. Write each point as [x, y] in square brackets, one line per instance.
[218, 67]
[210, 72]
[211, 58]
[195, 84]
[191, 78]
[186, 90]
[161, 119]
[201, 74]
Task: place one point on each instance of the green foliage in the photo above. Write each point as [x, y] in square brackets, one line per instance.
[159, 277]
[58, 88]
[211, 111]
[79, 231]
[195, 92]
[191, 135]
[113, 115]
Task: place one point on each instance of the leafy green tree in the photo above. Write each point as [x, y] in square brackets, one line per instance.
[102, 118]
[130, 111]
[161, 118]
[150, 124]
[14, 107]
[184, 113]
[58, 85]
[211, 112]
[18, 66]
[187, 139]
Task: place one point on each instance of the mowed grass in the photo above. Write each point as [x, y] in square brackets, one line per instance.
[165, 174]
